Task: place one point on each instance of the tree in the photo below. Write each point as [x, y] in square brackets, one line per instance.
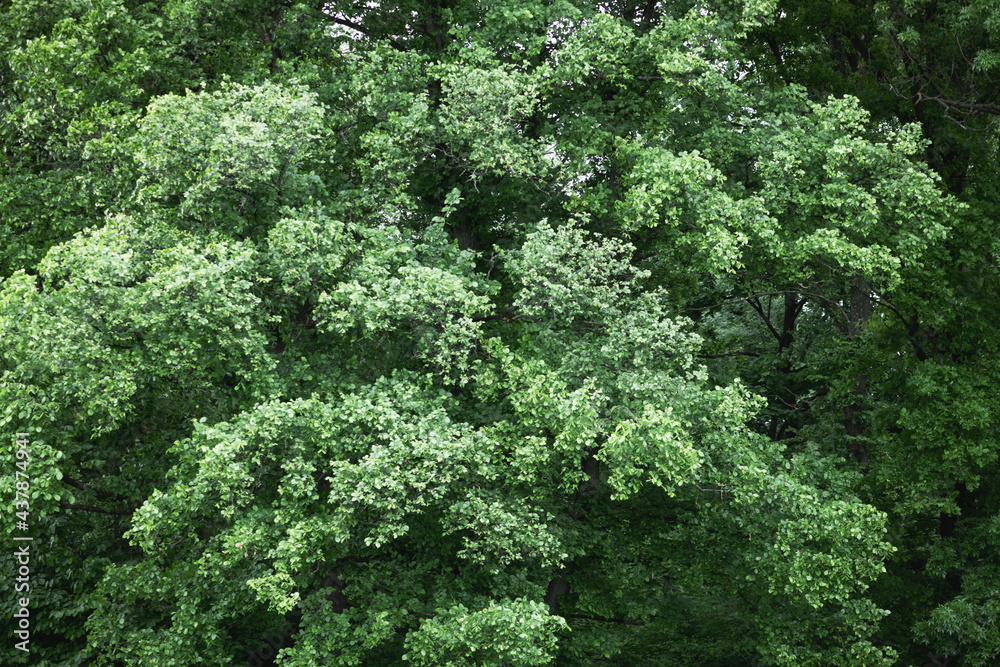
[448, 333]
[929, 355]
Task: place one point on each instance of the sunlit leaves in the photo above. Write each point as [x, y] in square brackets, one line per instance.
[236, 149]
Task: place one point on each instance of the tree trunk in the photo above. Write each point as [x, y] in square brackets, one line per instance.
[860, 312]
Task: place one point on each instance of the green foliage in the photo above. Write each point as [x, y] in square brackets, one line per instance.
[190, 148]
[519, 632]
[534, 333]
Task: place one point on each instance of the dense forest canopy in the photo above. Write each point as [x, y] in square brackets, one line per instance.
[527, 332]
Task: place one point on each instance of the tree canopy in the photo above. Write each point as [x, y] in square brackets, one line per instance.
[533, 332]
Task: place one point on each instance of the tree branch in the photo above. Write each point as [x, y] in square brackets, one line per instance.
[91, 508]
[601, 619]
[972, 106]
[77, 484]
[347, 23]
[754, 302]
[730, 354]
